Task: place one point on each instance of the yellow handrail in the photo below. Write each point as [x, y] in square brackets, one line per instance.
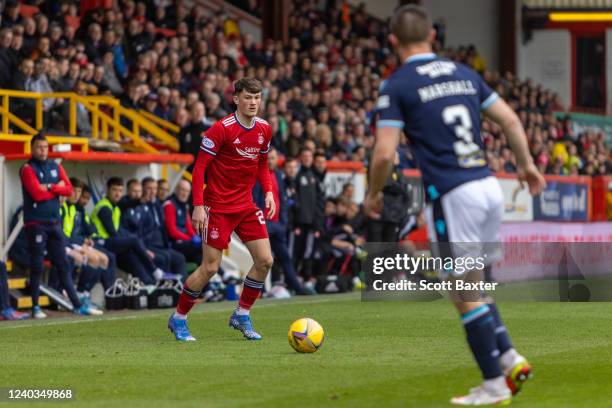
[164, 124]
[102, 123]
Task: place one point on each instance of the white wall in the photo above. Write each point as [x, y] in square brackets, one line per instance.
[609, 70]
[546, 59]
[467, 22]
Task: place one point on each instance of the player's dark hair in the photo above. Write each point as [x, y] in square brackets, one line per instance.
[77, 183]
[147, 180]
[131, 182]
[251, 85]
[411, 24]
[37, 137]
[86, 189]
[114, 181]
[161, 181]
[319, 153]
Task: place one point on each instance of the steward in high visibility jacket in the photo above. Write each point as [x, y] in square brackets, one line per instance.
[107, 218]
[130, 250]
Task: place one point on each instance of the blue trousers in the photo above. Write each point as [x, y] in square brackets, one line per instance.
[132, 257]
[192, 253]
[5, 302]
[278, 242]
[169, 260]
[49, 236]
[109, 275]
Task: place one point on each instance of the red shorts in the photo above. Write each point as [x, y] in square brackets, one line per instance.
[249, 224]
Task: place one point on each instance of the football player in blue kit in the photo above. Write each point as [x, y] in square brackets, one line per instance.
[438, 103]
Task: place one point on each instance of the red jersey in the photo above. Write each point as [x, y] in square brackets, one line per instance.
[238, 153]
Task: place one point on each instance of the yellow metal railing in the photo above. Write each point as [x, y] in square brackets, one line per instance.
[108, 120]
[162, 123]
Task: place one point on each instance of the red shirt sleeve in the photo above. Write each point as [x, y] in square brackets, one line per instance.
[197, 177]
[210, 146]
[170, 220]
[263, 172]
[189, 226]
[32, 185]
[66, 189]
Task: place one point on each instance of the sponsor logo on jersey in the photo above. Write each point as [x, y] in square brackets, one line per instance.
[436, 69]
[249, 153]
[237, 141]
[206, 142]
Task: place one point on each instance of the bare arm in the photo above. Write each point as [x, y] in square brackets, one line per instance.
[504, 116]
[501, 113]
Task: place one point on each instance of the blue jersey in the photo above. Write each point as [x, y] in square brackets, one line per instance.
[437, 103]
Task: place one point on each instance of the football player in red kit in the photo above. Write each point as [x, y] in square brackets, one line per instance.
[233, 154]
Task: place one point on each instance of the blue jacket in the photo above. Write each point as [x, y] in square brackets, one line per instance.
[259, 197]
[47, 172]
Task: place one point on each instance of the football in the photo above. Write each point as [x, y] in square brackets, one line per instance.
[306, 335]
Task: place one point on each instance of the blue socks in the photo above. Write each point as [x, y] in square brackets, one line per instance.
[480, 330]
[503, 338]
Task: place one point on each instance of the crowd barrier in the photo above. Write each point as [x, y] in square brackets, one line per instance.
[565, 198]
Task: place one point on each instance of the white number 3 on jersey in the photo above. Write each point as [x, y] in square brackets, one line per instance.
[468, 153]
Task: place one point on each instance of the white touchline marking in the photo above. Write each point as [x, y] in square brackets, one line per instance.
[164, 312]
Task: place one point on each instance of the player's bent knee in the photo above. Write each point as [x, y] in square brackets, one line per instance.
[265, 263]
[208, 269]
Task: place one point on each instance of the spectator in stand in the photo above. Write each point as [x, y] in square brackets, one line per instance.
[190, 136]
[291, 170]
[178, 224]
[8, 63]
[277, 225]
[44, 181]
[6, 311]
[163, 190]
[308, 221]
[131, 253]
[320, 167]
[22, 80]
[164, 110]
[11, 16]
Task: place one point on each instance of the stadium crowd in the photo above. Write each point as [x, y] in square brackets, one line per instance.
[319, 90]
[179, 63]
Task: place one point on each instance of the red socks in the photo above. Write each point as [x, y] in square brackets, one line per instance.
[186, 300]
[250, 293]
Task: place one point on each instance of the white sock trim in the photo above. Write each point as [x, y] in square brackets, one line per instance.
[510, 358]
[179, 316]
[242, 312]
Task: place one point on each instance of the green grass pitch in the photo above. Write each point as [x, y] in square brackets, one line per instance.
[376, 354]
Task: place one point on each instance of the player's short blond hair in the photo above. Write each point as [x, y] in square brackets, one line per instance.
[411, 24]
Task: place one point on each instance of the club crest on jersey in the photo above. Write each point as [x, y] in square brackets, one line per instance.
[260, 139]
[53, 173]
[206, 142]
[214, 234]
[249, 153]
